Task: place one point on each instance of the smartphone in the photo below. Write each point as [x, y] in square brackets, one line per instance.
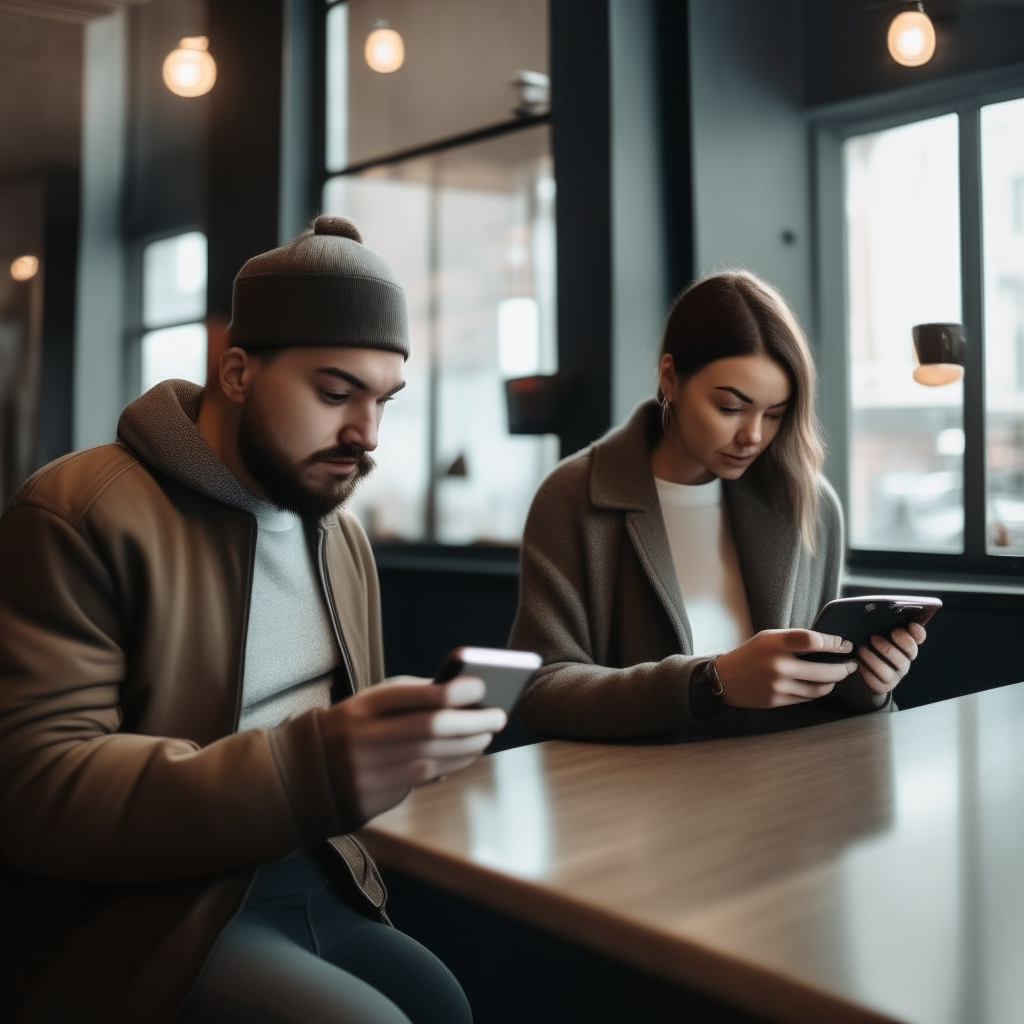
[505, 673]
[860, 618]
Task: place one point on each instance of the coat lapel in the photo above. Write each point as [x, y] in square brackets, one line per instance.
[768, 548]
[621, 479]
[647, 532]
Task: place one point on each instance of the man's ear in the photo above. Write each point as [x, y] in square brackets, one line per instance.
[235, 374]
[217, 340]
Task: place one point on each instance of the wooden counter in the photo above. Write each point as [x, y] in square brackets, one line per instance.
[864, 870]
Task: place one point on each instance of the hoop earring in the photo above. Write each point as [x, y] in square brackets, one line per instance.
[666, 413]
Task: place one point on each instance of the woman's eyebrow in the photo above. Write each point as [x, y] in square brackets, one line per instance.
[743, 398]
[736, 391]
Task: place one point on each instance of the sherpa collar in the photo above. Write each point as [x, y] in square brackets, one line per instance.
[159, 428]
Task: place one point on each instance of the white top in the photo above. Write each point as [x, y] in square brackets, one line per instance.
[706, 565]
[290, 649]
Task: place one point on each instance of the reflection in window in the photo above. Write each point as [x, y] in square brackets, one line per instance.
[1002, 163]
[462, 62]
[173, 294]
[470, 232]
[903, 268]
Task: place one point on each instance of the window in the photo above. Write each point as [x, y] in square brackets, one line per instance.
[1002, 170]
[466, 220]
[903, 268]
[173, 343]
[933, 209]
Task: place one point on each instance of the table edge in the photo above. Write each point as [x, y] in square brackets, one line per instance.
[776, 996]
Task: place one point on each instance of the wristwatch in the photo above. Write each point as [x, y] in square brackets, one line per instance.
[706, 691]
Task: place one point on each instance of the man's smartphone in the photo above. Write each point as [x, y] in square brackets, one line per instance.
[860, 618]
[505, 673]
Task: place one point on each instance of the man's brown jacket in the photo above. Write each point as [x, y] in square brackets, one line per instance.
[132, 815]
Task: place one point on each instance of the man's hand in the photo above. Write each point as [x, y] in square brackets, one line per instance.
[887, 660]
[383, 741]
[764, 672]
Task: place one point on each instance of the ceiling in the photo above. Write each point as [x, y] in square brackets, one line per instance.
[40, 94]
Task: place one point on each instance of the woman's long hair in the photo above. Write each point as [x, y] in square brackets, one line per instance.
[735, 313]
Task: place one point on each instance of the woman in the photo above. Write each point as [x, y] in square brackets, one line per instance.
[670, 571]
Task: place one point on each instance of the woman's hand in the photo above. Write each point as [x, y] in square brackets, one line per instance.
[886, 661]
[764, 672]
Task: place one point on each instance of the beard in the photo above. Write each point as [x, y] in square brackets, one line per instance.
[281, 479]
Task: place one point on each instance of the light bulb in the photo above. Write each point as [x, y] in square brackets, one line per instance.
[385, 51]
[190, 70]
[24, 268]
[912, 39]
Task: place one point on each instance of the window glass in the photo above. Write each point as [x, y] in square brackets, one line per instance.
[337, 86]
[461, 61]
[174, 279]
[173, 293]
[174, 353]
[903, 268]
[1002, 164]
[470, 233]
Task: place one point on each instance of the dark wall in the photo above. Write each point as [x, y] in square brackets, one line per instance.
[245, 130]
[672, 19]
[57, 365]
[437, 598]
[581, 139]
[846, 55]
[514, 973]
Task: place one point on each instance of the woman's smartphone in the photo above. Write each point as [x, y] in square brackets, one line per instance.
[505, 673]
[860, 618]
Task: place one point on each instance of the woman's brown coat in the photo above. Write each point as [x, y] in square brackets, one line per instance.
[599, 598]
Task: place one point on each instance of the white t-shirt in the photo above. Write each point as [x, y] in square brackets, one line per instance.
[706, 565]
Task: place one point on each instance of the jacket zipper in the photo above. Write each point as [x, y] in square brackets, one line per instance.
[245, 624]
[325, 583]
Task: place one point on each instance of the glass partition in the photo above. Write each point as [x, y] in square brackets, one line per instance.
[903, 268]
[470, 232]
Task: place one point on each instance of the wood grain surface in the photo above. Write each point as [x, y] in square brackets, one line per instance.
[863, 870]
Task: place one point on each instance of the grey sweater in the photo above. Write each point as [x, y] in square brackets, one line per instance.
[600, 601]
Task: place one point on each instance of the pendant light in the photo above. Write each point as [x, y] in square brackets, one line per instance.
[190, 70]
[912, 38]
[384, 50]
[24, 268]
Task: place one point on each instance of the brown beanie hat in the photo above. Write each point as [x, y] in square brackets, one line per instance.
[322, 288]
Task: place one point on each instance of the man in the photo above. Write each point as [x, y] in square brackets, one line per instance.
[189, 722]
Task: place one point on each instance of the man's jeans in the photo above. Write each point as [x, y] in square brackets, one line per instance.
[296, 952]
